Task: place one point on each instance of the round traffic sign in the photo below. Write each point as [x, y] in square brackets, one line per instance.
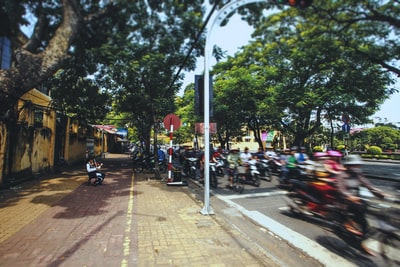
[172, 119]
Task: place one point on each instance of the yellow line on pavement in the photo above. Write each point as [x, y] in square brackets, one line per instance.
[128, 226]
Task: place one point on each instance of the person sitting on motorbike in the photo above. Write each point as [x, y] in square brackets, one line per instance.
[245, 156]
[283, 157]
[349, 182]
[92, 169]
[291, 164]
[260, 154]
[333, 164]
[233, 162]
[301, 156]
[213, 158]
[270, 153]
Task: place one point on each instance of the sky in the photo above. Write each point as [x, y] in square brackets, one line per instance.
[237, 33]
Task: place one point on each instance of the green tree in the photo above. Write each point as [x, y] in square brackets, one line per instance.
[142, 74]
[57, 27]
[308, 73]
[383, 136]
[370, 28]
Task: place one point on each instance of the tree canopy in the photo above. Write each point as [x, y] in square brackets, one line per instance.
[307, 74]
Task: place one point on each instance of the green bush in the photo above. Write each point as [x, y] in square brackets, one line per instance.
[340, 147]
[366, 156]
[317, 149]
[374, 150]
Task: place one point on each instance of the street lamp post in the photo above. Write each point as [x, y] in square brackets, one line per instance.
[218, 18]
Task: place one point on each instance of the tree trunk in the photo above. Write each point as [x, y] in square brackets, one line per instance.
[30, 70]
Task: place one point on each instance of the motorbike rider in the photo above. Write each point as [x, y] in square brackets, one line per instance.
[333, 164]
[301, 155]
[349, 182]
[260, 154]
[213, 158]
[92, 169]
[245, 156]
[233, 162]
[289, 165]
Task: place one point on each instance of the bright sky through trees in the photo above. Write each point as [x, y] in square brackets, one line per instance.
[237, 33]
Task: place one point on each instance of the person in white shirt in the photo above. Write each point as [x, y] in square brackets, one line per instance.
[245, 156]
[92, 169]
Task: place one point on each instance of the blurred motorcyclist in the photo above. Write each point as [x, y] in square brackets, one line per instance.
[349, 182]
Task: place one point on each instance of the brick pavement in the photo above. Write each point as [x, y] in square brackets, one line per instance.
[131, 220]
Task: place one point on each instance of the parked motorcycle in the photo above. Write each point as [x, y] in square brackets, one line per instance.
[249, 174]
[192, 167]
[162, 166]
[143, 162]
[213, 175]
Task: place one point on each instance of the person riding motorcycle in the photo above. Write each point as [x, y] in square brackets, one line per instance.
[333, 164]
[349, 182]
[233, 162]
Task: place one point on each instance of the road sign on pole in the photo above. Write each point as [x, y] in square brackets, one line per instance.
[171, 122]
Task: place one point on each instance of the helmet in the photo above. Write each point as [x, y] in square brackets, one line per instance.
[294, 148]
[353, 160]
[334, 153]
[320, 154]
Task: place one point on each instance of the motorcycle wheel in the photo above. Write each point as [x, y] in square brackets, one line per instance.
[138, 167]
[220, 172]
[256, 180]
[162, 168]
[192, 173]
[213, 180]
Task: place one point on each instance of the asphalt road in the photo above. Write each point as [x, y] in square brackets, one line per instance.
[266, 207]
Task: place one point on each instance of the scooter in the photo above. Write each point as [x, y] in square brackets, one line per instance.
[263, 169]
[320, 201]
[249, 174]
[275, 166]
[192, 167]
[300, 173]
[220, 166]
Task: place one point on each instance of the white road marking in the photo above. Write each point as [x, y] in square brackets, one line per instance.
[308, 246]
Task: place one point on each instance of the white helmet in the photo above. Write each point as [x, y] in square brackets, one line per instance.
[353, 160]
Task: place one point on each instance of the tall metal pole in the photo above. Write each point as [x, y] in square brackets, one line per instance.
[218, 18]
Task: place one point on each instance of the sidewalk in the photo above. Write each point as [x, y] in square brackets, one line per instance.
[131, 220]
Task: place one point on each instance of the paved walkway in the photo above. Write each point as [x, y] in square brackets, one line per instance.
[131, 220]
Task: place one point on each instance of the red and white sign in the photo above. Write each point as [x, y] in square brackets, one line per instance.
[172, 119]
